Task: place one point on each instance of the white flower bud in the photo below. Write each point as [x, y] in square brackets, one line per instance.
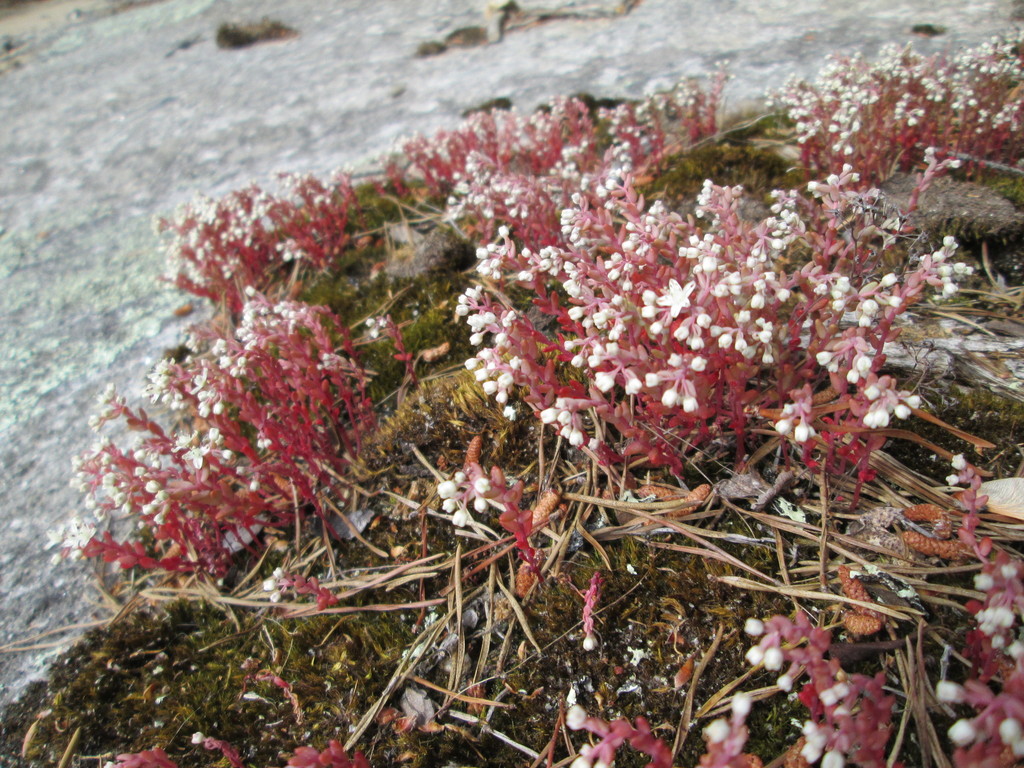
[575, 717]
[949, 692]
[717, 731]
[962, 733]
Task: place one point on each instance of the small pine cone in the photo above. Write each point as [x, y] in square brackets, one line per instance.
[854, 589]
[947, 549]
[691, 501]
[545, 507]
[925, 513]
[660, 492]
[698, 494]
[862, 624]
[793, 758]
[826, 395]
[473, 451]
[526, 577]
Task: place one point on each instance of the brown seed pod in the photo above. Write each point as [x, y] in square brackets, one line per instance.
[692, 499]
[862, 624]
[473, 452]
[682, 677]
[947, 549]
[545, 506]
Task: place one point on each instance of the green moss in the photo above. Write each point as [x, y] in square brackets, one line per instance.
[154, 679]
[423, 307]
[978, 412]
[759, 171]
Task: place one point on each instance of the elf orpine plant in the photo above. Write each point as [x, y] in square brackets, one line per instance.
[277, 411]
[725, 739]
[850, 715]
[475, 487]
[612, 736]
[281, 582]
[881, 116]
[590, 598]
[672, 332]
[995, 689]
[504, 167]
[644, 132]
[252, 239]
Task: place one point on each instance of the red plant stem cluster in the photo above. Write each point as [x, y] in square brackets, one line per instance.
[612, 736]
[672, 333]
[305, 757]
[282, 581]
[473, 486]
[332, 757]
[994, 733]
[881, 116]
[850, 715]
[523, 170]
[253, 240]
[280, 409]
[590, 598]
[725, 739]
[218, 745]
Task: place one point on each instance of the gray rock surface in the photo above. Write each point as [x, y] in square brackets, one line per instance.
[110, 119]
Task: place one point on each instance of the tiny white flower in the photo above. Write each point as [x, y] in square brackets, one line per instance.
[949, 692]
[962, 733]
[575, 717]
[773, 659]
[677, 298]
[604, 380]
[717, 731]
[447, 489]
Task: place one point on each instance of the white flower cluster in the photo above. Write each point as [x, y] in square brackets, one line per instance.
[208, 232]
[71, 537]
[903, 91]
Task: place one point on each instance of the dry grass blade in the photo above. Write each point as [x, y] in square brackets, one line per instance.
[69, 753]
[354, 531]
[520, 616]
[458, 663]
[698, 535]
[809, 594]
[687, 717]
[978, 443]
[456, 695]
[30, 643]
[486, 728]
[912, 483]
[424, 643]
